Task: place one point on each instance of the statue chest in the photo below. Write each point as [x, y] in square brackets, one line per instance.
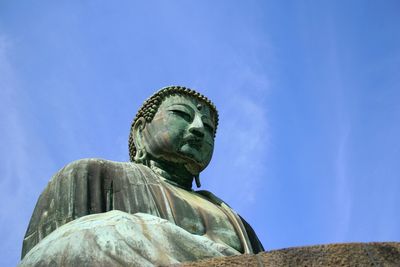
[199, 216]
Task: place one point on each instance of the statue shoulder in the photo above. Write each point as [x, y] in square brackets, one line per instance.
[103, 172]
[211, 197]
[89, 163]
[93, 166]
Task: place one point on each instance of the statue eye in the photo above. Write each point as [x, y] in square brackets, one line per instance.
[182, 114]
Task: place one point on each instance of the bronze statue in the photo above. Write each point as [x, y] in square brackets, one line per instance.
[97, 212]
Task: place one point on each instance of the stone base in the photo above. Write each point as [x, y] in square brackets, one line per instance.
[348, 254]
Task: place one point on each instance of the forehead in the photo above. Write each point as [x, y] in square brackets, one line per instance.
[194, 103]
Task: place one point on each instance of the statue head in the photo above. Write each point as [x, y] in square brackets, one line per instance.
[176, 126]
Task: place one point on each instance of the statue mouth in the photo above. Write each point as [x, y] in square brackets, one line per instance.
[197, 151]
[195, 143]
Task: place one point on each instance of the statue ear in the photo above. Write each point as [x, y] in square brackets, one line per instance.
[138, 128]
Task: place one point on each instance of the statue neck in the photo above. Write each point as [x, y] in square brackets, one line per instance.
[175, 174]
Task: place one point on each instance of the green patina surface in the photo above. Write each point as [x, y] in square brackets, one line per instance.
[171, 142]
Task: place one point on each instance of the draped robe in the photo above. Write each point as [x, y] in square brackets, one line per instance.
[93, 186]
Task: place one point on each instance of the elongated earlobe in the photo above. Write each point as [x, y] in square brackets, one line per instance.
[141, 154]
[197, 180]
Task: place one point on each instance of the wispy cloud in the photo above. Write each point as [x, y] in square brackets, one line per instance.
[13, 139]
[243, 137]
[15, 164]
[12, 157]
[250, 138]
[342, 195]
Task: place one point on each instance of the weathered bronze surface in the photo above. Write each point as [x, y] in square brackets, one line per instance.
[171, 142]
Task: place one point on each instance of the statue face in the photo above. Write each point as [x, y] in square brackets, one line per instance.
[182, 131]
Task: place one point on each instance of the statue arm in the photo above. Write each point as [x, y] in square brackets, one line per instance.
[255, 242]
[75, 191]
[252, 236]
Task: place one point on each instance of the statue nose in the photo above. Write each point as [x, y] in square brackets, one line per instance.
[197, 127]
[197, 132]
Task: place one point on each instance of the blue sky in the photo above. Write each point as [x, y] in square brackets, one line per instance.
[308, 94]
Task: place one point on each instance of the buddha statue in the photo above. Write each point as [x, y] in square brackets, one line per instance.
[96, 212]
